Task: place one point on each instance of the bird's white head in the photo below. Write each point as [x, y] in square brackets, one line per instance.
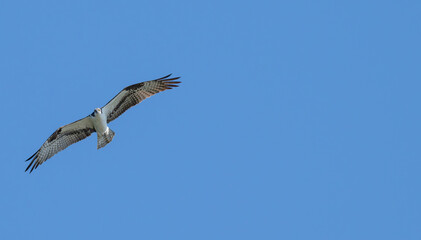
[96, 112]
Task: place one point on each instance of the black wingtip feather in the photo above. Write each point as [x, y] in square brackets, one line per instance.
[34, 158]
[35, 166]
[30, 164]
[31, 156]
[165, 77]
[28, 167]
[169, 79]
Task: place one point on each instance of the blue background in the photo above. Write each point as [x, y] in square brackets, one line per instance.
[295, 119]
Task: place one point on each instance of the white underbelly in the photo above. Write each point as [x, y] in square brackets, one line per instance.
[100, 123]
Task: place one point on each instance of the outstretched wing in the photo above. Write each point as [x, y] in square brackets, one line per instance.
[136, 93]
[61, 139]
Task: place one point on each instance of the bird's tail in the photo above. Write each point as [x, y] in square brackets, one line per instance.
[105, 138]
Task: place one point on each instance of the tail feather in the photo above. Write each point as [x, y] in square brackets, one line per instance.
[105, 138]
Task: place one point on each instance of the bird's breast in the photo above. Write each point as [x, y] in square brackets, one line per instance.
[100, 123]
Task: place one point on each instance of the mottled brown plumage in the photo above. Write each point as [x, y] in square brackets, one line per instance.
[136, 93]
[61, 139]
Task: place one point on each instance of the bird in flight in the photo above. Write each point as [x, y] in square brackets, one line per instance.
[97, 121]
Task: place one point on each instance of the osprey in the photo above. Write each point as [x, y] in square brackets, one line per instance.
[97, 121]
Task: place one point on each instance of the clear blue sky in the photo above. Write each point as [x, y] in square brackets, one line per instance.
[295, 120]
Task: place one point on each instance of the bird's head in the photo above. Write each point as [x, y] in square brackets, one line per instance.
[96, 111]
